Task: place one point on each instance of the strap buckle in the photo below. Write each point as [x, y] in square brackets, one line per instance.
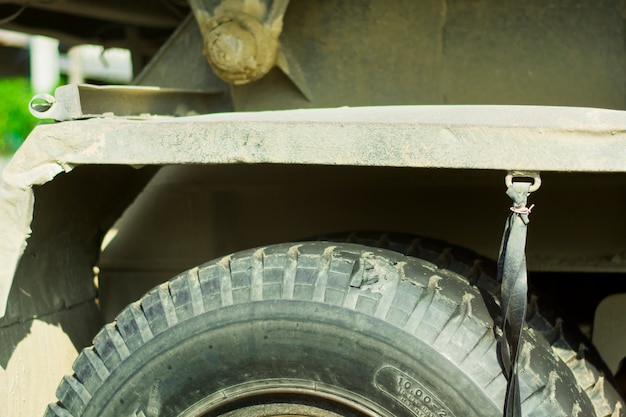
[524, 176]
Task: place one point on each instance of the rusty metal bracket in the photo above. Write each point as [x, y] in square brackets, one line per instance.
[82, 101]
[241, 40]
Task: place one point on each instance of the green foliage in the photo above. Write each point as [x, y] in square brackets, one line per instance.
[16, 122]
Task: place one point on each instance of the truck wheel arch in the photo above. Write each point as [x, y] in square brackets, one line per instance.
[328, 320]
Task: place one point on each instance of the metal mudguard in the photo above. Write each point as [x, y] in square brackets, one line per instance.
[469, 137]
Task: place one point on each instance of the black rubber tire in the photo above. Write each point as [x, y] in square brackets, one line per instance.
[566, 341]
[339, 327]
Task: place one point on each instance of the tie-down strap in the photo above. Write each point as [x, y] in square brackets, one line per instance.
[514, 290]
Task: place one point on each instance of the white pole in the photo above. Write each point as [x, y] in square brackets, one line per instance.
[75, 70]
[44, 64]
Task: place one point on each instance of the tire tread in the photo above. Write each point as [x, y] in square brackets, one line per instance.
[581, 359]
[440, 308]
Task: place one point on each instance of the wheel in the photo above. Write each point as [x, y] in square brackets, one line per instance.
[312, 329]
[566, 341]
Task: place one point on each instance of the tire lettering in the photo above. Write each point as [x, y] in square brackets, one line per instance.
[410, 393]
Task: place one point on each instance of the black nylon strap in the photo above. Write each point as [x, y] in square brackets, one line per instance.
[514, 290]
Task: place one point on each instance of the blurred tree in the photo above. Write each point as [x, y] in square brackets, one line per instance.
[16, 122]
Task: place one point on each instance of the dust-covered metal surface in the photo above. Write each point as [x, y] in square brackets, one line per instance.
[474, 137]
[52, 300]
[565, 53]
[469, 137]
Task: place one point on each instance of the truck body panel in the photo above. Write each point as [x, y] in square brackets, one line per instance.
[442, 100]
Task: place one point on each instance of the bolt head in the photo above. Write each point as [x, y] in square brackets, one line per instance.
[240, 49]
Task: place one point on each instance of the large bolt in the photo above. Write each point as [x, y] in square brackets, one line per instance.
[239, 48]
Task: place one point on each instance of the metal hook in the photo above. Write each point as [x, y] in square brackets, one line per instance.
[508, 180]
[45, 106]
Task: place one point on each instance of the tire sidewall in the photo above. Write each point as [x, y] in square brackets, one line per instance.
[244, 349]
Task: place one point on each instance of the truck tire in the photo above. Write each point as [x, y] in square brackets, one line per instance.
[312, 329]
[565, 339]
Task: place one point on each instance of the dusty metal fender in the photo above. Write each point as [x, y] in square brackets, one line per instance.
[469, 137]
